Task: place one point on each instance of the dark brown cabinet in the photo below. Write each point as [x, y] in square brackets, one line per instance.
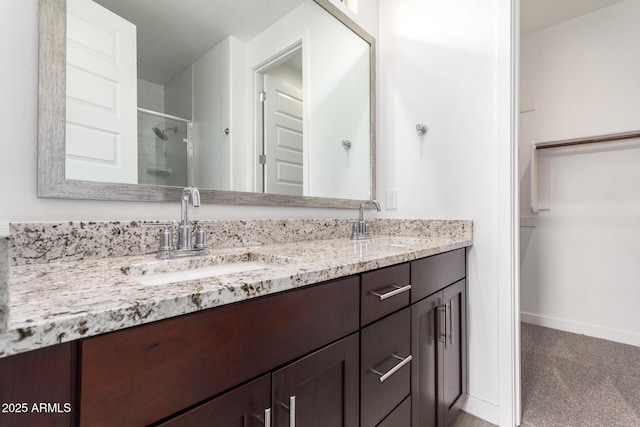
[384, 291]
[385, 366]
[454, 359]
[141, 375]
[246, 406]
[438, 343]
[38, 388]
[386, 348]
[320, 390]
[400, 417]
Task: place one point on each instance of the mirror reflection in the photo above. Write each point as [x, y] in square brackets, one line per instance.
[253, 96]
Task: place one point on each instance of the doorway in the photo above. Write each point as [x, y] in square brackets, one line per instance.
[280, 139]
[577, 80]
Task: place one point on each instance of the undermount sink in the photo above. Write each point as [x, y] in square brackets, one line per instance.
[399, 242]
[160, 272]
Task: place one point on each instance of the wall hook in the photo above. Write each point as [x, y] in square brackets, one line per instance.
[346, 144]
[421, 129]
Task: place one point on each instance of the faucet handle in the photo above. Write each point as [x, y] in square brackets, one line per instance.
[166, 237]
[355, 229]
[200, 237]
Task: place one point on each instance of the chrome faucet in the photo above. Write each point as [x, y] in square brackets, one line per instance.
[360, 229]
[189, 194]
[184, 248]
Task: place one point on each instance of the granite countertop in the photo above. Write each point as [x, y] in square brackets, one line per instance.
[60, 302]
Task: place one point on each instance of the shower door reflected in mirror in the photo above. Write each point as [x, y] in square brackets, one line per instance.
[164, 147]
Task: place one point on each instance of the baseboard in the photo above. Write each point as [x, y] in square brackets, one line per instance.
[596, 331]
[482, 409]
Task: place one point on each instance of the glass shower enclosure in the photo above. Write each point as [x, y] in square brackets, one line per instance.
[165, 149]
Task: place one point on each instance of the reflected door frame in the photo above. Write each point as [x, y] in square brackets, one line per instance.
[260, 149]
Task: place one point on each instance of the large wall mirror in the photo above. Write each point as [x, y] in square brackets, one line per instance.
[253, 102]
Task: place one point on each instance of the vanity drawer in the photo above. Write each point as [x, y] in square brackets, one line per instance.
[400, 417]
[385, 366]
[429, 275]
[384, 291]
[143, 374]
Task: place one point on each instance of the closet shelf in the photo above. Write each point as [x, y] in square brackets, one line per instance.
[542, 152]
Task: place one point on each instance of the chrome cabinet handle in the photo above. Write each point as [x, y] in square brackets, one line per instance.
[266, 420]
[292, 411]
[386, 375]
[267, 417]
[442, 336]
[396, 291]
[451, 330]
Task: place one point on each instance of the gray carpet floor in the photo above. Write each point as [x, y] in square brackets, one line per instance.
[571, 380]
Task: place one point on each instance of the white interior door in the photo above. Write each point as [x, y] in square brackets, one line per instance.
[283, 137]
[101, 130]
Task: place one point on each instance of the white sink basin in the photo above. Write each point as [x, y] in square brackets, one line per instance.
[201, 273]
[399, 242]
[159, 272]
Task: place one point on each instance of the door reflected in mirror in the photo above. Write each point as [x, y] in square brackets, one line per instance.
[224, 95]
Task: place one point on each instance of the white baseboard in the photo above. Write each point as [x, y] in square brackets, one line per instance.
[596, 331]
[482, 409]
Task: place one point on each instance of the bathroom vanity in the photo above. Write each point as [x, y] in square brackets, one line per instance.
[347, 334]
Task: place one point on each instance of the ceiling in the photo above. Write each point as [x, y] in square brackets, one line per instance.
[172, 34]
[538, 14]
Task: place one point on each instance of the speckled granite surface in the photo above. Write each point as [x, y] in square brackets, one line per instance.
[62, 301]
[37, 243]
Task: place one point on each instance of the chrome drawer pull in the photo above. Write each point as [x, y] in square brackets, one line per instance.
[292, 411]
[396, 291]
[386, 375]
[266, 420]
[267, 417]
[442, 309]
[451, 325]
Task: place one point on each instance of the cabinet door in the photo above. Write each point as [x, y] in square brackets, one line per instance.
[425, 376]
[454, 360]
[320, 390]
[140, 375]
[38, 388]
[242, 407]
[385, 366]
[400, 417]
[439, 347]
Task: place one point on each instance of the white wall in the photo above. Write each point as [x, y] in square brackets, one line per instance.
[220, 80]
[333, 96]
[439, 66]
[241, 136]
[579, 265]
[178, 95]
[150, 96]
[211, 114]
